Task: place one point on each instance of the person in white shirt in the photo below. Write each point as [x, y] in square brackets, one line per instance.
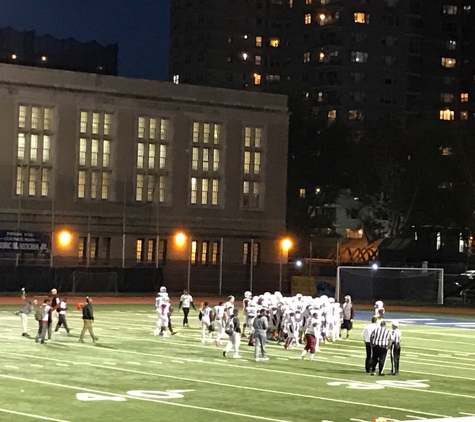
[164, 313]
[186, 300]
[312, 335]
[229, 308]
[233, 330]
[63, 304]
[44, 322]
[219, 322]
[206, 317]
[368, 330]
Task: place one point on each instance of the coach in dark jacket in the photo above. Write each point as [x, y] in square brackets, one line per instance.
[88, 318]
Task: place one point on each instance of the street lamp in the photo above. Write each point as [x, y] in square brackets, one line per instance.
[285, 245]
[64, 238]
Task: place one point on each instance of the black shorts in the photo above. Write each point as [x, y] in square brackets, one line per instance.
[347, 324]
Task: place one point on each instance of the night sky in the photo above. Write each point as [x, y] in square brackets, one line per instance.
[139, 27]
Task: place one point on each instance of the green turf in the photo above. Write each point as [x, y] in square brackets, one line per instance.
[44, 380]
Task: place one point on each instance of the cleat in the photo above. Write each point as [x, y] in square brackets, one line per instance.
[224, 353]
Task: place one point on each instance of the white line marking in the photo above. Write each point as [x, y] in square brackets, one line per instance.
[36, 365]
[72, 387]
[134, 363]
[44, 418]
[414, 417]
[358, 420]
[273, 392]
[177, 361]
[467, 414]
[11, 366]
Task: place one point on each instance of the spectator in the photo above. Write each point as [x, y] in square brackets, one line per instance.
[185, 301]
[348, 315]
[88, 319]
[260, 326]
[368, 330]
[25, 311]
[62, 315]
[43, 326]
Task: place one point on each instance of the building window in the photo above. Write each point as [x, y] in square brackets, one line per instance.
[451, 45]
[215, 253]
[151, 159]
[194, 252]
[258, 41]
[139, 250]
[94, 155]
[447, 97]
[33, 151]
[302, 193]
[257, 79]
[360, 17]
[359, 57]
[306, 57]
[464, 115]
[448, 9]
[308, 18]
[252, 161]
[94, 248]
[331, 115]
[176, 79]
[446, 114]
[247, 253]
[448, 62]
[446, 151]
[82, 248]
[274, 42]
[355, 115]
[205, 164]
[257, 60]
[464, 97]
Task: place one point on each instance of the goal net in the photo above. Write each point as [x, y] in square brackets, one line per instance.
[84, 282]
[391, 283]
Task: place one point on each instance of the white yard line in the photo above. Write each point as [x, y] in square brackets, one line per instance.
[44, 418]
[189, 406]
[262, 390]
[414, 417]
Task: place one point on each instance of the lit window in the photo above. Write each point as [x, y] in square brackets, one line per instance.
[84, 116]
[302, 192]
[194, 252]
[32, 182]
[94, 152]
[194, 190]
[176, 79]
[151, 181]
[107, 124]
[449, 9]
[258, 41]
[215, 251]
[19, 181]
[216, 160]
[81, 184]
[106, 153]
[451, 44]
[35, 117]
[448, 62]
[163, 156]
[204, 191]
[359, 57]
[22, 116]
[355, 115]
[446, 114]
[306, 57]
[257, 60]
[446, 150]
[274, 42]
[308, 19]
[94, 184]
[464, 97]
[464, 115]
[150, 250]
[139, 250]
[139, 187]
[331, 115]
[360, 17]
[215, 192]
[105, 186]
[164, 123]
[321, 56]
[45, 178]
[151, 155]
[47, 119]
[33, 147]
[467, 8]
[257, 79]
[140, 155]
[21, 146]
[46, 148]
[141, 128]
[95, 123]
[204, 253]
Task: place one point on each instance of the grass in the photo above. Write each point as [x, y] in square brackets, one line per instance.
[120, 378]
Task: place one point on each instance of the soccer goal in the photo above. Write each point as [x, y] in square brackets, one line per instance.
[390, 283]
[85, 282]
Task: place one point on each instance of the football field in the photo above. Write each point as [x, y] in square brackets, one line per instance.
[131, 375]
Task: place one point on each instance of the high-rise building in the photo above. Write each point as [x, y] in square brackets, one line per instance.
[348, 60]
[28, 49]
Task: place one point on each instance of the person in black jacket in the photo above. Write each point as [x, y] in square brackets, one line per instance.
[88, 318]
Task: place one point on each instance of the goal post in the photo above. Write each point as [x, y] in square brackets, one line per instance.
[391, 283]
[94, 282]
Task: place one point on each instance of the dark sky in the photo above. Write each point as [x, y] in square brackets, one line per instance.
[140, 27]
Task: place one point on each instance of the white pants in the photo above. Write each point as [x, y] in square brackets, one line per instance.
[162, 321]
[24, 322]
[205, 322]
[220, 328]
[233, 343]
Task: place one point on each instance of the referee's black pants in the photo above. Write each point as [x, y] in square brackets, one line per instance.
[395, 354]
[186, 311]
[368, 357]
[379, 358]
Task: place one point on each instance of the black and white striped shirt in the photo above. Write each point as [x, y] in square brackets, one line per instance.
[380, 337]
[396, 336]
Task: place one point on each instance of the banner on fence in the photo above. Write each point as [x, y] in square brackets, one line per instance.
[20, 241]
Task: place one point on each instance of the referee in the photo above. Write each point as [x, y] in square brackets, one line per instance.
[379, 344]
[395, 347]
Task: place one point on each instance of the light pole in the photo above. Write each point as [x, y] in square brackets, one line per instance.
[285, 245]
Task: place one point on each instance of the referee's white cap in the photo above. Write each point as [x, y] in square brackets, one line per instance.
[395, 323]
